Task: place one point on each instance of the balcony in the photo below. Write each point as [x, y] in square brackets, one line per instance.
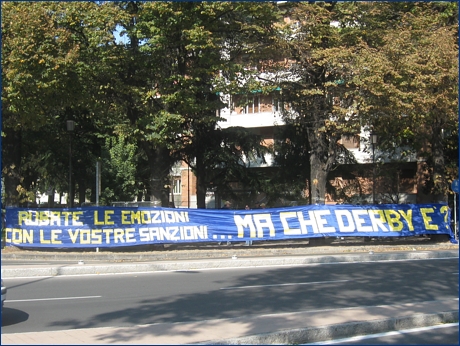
[251, 120]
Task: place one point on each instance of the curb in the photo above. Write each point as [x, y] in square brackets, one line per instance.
[234, 262]
[171, 252]
[339, 331]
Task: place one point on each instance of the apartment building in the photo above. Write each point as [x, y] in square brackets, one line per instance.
[262, 115]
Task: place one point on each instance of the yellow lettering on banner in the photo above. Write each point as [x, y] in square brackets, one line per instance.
[124, 217]
[262, 221]
[408, 217]
[378, 222]
[55, 233]
[24, 218]
[73, 236]
[135, 217]
[43, 218]
[445, 210]
[394, 220]
[19, 236]
[13, 239]
[323, 222]
[145, 217]
[85, 237]
[16, 235]
[96, 236]
[427, 219]
[8, 235]
[341, 215]
[76, 218]
[27, 236]
[55, 218]
[96, 218]
[66, 215]
[311, 222]
[289, 215]
[130, 235]
[49, 218]
[108, 217]
[42, 238]
[244, 222]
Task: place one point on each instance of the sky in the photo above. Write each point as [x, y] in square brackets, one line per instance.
[119, 39]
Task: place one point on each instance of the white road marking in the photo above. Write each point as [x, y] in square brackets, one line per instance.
[378, 335]
[42, 299]
[286, 284]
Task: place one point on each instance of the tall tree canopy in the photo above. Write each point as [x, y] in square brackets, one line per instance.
[342, 66]
[193, 52]
[53, 54]
[355, 64]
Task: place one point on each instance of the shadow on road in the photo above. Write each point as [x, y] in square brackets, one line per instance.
[13, 316]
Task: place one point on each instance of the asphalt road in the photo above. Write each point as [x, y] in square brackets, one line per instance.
[58, 303]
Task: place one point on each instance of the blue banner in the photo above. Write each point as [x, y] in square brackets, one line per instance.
[118, 226]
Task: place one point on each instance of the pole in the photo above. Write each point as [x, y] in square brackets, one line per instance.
[70, 128]
[98, 181]
[188, 187]
[70, 172]
[455, 217]
[373, 138]
[373, 173]
[171, 191]
[458, 166]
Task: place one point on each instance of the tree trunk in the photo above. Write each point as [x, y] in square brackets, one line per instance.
[439, 177]
[200, 183]
[81, 191]
[318, 178]
[51, 199]
[322, 155]
[160, 165]
[11, 166]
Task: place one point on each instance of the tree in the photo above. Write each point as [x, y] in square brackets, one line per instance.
[411, 89]
[191, 48]
[315, 86]
[49, 76]
[347, 73]
[61, 62]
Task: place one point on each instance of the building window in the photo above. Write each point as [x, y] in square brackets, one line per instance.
[350, 142]
[246, 105]
[253, 105]
[276, 104]
[177, 188]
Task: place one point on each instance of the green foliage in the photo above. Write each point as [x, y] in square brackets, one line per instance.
[119, 167]
[144, 104]
[390, 67]
[410, 94]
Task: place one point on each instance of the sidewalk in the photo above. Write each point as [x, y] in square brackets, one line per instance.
[286, 328]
